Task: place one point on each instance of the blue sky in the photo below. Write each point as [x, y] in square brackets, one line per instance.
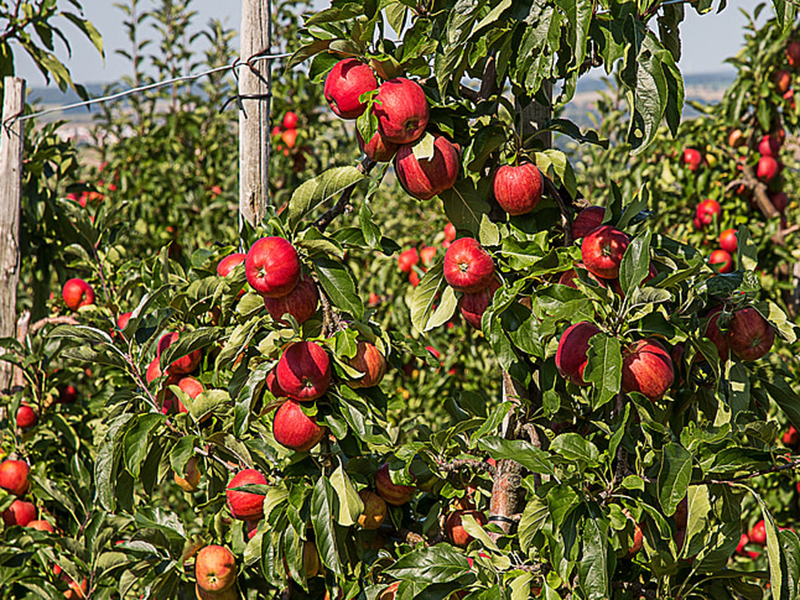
[707, 40]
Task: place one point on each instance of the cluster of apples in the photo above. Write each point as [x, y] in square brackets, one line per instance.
[411, 257]
[783, 77]
[469, 269]
[708, 214]
[757, 536]
[177, 373]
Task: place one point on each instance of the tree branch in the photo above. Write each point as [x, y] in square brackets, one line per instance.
[455, 466]
[552, 190]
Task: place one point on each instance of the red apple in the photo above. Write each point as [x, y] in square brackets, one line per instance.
[294, 430]
[77, 293]
[468, 267]
[706, 212]
[402, 110]
[783, 80]
[413, 278]
[407, 260]
[369, 361]
[647, 369]
[191, 481]
[272, 385]
[474, 305]
[19, 513]
[449, 233]
[758, 534]
[427, 254]
[378, 148]
[692, 159]
[229, 263]
[602, 251]
[728, 241]
[289, 137]
[215, 569]
[721, 260]
[713, 333]
[301, 302]
[272, 267]
[573, 348]
[122, 320]
[67, 395]
[251, 528]
[424, 179]
[767, 168]
[750, 335]
[192, 387]
[304, 371]
[26, 417]
[791, 436]
[793, 53]
[183, 365]
[568, 278]
[41, 525]
[344, 85]
[395, 494]
[518, 189]
[454, 529]
[14, 476]
[638, 542]
[290, 120]
[586, 221]
[245, 506]
[779, 200]
[374, 510]
[769, 146]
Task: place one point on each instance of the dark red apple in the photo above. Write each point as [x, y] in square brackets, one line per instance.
[293, 429]
[573, 348]
[586, 221]
[301, 302]
[692, 158]
[230, 262]
[454, 529]
[767, 168]
[344, 85]
[68, 395]
[707, 211]
[769, 146]
[721, 260]
[185, 364]
[402, 110]
[518, 189]
[779, 200]
[728, 241]
[369, 361]
[19, 513]
[791, 436]
[272, 267]
[468, 267]
[424, 179]
[304, 371]
[750, 335]
[395, 494]
[378, 148]
[568, 278]
[245, 506]
[77, 293]
[14, 476]
[474, 305]
[647, 369]
[26, 417]
[602, 251]
[407, 260]
[719, 339]
[793, 53]
[272, 385]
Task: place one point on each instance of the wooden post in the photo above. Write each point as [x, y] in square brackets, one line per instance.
[10, 199]
[254, 109]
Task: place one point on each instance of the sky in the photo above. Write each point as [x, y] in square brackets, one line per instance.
[707, 40]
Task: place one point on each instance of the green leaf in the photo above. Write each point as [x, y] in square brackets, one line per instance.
[441, 563]
[339, 286]
[635, 264]
[137, 441]
[350, 505]
[188, 342]
[604, 368]
[593, 567]
[575, 448]
[425, 295]
[673, 477]
[464, 206]
[314, 192]
[529, 456]
[322, 520]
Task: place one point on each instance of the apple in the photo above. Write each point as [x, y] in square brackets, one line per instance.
[721, 260]
[252, 528]
[304, 371]
[289, 137]
[413, 278]
[301, 302]
[76, 590]
[395, 494]
[647, 369]
[707, 210]
[67, 395]
[779, 200]
[692, 158]
[344, 85]
[602, 251]
[310, 559]
[758, 534]
[767, 168]
[229, 263]
[192, 476]
[369, 361]
[272, 267]
[449, 233]
[728, 241]
[518, 189]
[122, 320]
[468, 267]
[215, 569]
[26, 417]
[736, 138]
[426, 178]
[638, 542]
[742, 551]
[427, 254]
[293, 429]
[455, 531]
[783, 80]
[19, 513]
[245, 506]
[185, 364]
[573, 349]
[474, 305]
[769, 146]
[378, 149]
[14, 476]
[793, 53]
[402, 110]
[713, 333]
[374, 510]
[750, 336]
[791, 436]
[568, 278]
[586, 221]
[289, 120]
[193, 389]
[682, 513]
[41, 525]
[407, 260]
[272, 385]
[77, 293]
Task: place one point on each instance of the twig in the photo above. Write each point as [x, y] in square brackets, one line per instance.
[552, 190]
[343, 204]
[61, 320]
[773, 469]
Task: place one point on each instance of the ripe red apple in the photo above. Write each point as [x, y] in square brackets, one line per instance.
[586, 221]
[424, 179]
[77, 293]
[455, 531]
[301, 302]
[229, 263]
[41, 525]
[378, 148]
[758, 534]
[736, 138]
[413, 278]
[76, 591]
[793, 53]
[289, 137]
[304, 371]
[344, 85]
[427, 254]
[395, 494]
[193, 389]
[750, 335]
[518, 189]
[67, 395]
[272, 267]
[407, 259]
[729, 241]
[402, 110]
[19, 513]
[26, 417]
[767, 168]
[449, 233]
[692, 158]
[468, 267]
[374, 510]
[791, 436]
[185, 364]
[573, 348]
[290, 120]
[245, 506]
[602, 251]
[215, 569]
[272, 385]
[721, 260]
[122, 320]
[252, 528]
[779, 200]
[638, 542]
[14, 476]
[474, 305]
[713, 333]
[369, 361]
[191, 481]
[647, 369]
[769, 146]
[293, 429]
[706, 212]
